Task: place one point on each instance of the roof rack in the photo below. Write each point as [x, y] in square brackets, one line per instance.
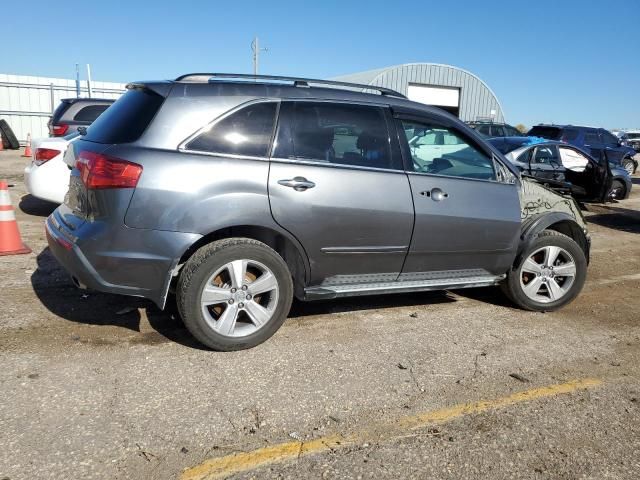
[297, 82]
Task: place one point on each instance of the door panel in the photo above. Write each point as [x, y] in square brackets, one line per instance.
[467, 223]
[474, 227]
[354, 224]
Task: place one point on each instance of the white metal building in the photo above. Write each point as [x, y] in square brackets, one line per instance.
[453, 89]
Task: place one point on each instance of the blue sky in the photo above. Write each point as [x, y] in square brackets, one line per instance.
[561, 61]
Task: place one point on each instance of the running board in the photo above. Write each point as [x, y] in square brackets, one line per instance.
[361, 289]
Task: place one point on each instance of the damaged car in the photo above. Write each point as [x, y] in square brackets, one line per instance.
[232, 194]
[566, 168]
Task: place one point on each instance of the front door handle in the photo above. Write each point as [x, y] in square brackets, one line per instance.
[436, 194]
[299, 184]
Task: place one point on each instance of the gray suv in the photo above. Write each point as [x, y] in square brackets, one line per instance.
[239, 192]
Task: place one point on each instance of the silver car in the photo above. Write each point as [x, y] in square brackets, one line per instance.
[239, 192]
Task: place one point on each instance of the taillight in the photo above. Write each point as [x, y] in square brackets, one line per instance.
[60, 130]
[43, 155]
[99, 171]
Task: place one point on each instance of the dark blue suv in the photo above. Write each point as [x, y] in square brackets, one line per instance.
[596, 141]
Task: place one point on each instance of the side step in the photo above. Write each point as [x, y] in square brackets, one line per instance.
[361, 289]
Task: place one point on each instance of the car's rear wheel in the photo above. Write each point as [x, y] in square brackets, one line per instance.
[628, 165]
[617, 191]
[551, 274]
[234, 294]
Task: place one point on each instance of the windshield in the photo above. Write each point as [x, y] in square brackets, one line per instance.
[633, 136]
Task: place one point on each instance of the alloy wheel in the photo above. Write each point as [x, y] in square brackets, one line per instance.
[547, 274]
[239, 298]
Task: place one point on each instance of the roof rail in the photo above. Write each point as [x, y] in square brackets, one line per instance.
[297, 82]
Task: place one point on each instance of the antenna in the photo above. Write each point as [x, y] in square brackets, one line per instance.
[255, 48]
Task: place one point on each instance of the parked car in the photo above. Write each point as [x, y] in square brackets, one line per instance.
[76, 112]
[492, 129]
[596, 141]
[566, 168]
[47, 176]
[238, 192]
[633, 139]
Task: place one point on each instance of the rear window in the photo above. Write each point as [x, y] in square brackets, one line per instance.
[60, 109]
[127, 118]
[90, 113]
[552, 133]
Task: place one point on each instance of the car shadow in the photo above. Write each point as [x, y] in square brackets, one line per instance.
[60, 296]
[55, 290]
[34, 206]
[622, 219]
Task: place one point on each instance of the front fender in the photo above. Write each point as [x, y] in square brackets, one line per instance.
[559, 221]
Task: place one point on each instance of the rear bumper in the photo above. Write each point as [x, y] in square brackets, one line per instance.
[118, 259]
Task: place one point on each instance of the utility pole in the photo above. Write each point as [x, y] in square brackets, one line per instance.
[77, 81]
[255, 47]
[89, 90]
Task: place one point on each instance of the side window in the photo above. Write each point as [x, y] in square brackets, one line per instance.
[546, 156]
[525, 157]
[484, 130]
[591, 138]
[90, 113]
[573, 160]
[608, 139]
[570, 135]
[440, 150]
[342, 134]
[512, 132]
[246, 132]
[497, 131]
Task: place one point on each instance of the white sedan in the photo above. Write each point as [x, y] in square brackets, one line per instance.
[47, 176]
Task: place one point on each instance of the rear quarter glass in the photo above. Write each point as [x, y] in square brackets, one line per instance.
[126, 119]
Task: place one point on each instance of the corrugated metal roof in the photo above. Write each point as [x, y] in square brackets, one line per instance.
[476, 99]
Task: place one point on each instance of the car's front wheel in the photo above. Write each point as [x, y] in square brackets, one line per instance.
[234, 294]
[551, 274]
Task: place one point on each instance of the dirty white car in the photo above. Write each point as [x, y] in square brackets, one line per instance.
[47, 176]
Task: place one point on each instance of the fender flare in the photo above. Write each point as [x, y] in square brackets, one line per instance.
[538, 223]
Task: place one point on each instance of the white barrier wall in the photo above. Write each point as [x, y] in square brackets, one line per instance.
[26, 103]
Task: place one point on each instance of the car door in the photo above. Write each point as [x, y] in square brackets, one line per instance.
[590, 179]
[593, 143]
[612, 147]
[337, 184]
[545, 164]
[467, 223]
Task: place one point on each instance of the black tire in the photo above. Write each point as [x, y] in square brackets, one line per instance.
[629, 165]
[512, 285]
[204, 263]
[9, 139]
[617, 191]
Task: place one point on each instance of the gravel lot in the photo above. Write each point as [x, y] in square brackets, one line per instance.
[101, 386]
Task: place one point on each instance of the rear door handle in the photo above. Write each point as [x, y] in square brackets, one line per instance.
[299, 184]
[436, 194]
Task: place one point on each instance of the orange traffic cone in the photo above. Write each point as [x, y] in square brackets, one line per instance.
[10, 242]
[27, 147]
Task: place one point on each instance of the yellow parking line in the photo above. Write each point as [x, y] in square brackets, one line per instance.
[240, 462]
